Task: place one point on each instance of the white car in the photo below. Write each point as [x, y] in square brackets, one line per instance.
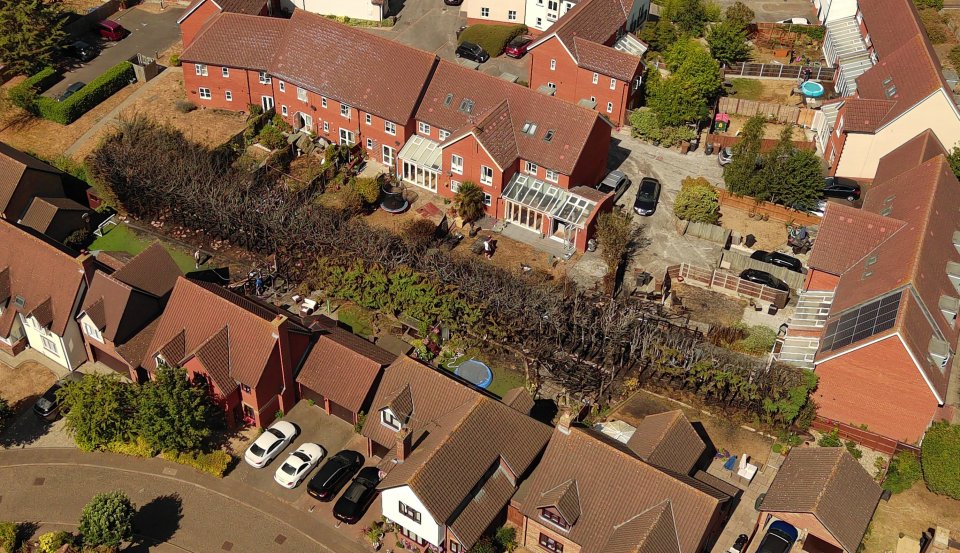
[794, 21]
[298, 465]
[270, 444]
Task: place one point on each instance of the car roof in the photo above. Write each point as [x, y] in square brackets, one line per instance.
[110, 24]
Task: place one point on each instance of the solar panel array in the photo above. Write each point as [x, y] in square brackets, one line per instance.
[869, 320]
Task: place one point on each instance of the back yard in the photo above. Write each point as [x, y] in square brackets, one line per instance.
[123, 238]
[911, 512]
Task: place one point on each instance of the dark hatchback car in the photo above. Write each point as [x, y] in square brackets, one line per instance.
[358, 497]
[764, 278]
[517, 48]
[337, 471]
[453, 2]
[472, 52]
[779, 538]
[838, 187]
[647, 196]
[82, 51]
[70, 91]
[778, 259]
[47, 407]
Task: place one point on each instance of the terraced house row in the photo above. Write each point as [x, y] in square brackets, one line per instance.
[435, 124]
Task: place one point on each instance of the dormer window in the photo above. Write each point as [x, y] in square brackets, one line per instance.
[939, 352]
[956, 240]
[19, 302]
[92, 332]
[552, 516]
[949, 306]
[388, 419]
[161, 362]
[953, 273]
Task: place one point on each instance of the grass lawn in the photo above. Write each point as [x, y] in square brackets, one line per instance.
[910, 512]
[504, 379]
[747, 89]
[122, 238]
[359, 320]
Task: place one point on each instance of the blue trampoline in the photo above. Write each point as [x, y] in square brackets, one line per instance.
[475, 372]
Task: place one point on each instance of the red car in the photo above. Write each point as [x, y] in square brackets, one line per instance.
[111, 30]
[518, 47]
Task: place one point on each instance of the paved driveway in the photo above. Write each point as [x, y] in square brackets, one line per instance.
[663, 246]
[769, 11]
[150, 33]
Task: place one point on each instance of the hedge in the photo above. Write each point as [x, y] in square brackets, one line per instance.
[940, 459]
[903, 472]
[88, 97]
[492, 38]
[8, 537]
[24, 94]
[216, 462]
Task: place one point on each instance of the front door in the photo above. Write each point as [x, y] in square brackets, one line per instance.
[388, 156]
[266, 102]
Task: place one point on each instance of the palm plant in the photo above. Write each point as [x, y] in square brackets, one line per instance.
[469, 202]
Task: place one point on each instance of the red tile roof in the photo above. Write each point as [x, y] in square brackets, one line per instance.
[48, 277]
[237, 40]
[847, 235]
[453, 87]
[865, 115]
[668, 440]
[13, 165]
[153, 270]
[606, 60]
[250, 7]
[196, 312]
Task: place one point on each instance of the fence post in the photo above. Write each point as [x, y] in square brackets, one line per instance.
[780, 74]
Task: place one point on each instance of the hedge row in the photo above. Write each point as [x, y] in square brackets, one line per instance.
[215, 462]
[492, 38]
[940, 459]
[88, 97]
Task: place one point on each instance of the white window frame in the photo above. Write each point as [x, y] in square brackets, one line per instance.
[283, 86]
[302, 94]
[455, 186]
[487, 199]
[484, 12]
[511, 15]
[530, 167]
[201, 69]
[486, 175]
[225, 72]
[283, 111]
[553, 65]
[609, 107]
[443, 135]
[390, 128]
[552, 176]
[368, 118]
[265, 78]
[596, 78]
[347, 137]
[456, 164]
[369, 143]
[326, 127]
[386, 417]
[840, 127]
[92, 332]
[228, 95]
[50, 345]
[345, 110]
[204, 93]
[613, 84]
[323, 101]
[423, 128]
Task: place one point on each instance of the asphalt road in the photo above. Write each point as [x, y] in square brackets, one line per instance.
[770, 11]
[150, 33]
[179, 508]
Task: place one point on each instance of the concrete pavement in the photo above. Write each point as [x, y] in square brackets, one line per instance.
[769, 11]
[179, 507]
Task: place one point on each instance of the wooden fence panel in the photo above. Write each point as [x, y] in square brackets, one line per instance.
[772, 211]
[863, 437]
[739, 261]
[778, 71]
[784, 114]
[766, 144]
[727, 281]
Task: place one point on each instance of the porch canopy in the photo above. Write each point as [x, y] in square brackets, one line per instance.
[549, 199]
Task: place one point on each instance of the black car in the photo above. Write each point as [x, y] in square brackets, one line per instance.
[647, 196]
[839, 187]
[70, 91]
[453, 2]
[358, 497]
[336, 472]
[82, 51]
[765, 278]
[778, 259]
[472, 52]
[779, 538]
[47, 407]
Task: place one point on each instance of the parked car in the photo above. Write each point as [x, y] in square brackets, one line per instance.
[820, 210]
[517, 47]
[725, 156]
[794, 21]
[298, 465]
[779, 538]
[647, 196]
[70, 91]
[765, 278]
[82, 51]
[47, 407]
[839, 187]
[111, 30]
[778, 259]
[336, 472]
[472, 52]
[453, 2]
[270, 444]
[615, 182]
[358, 497]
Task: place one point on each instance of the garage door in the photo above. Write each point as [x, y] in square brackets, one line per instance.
[379, 450]
[307, 393]
[342, 412]
[110, 361]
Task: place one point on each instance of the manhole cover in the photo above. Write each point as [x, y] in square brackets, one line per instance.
[227, 546]
[280, 539]
[39, 481]
[170, 472]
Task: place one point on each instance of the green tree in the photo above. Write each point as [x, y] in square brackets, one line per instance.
[660, 35]
[802, 186]
[671, 100]
[954, 158]
[940, 459]
[739, 14]
[468, 202]
[697, 201]
[933, 4]
[904, 471]
[98, 410]
[690, 16]
[107, 521]
[173, 414]
[368, 188]
[689, 61]
[616, 236]
[771, 176]
[31, 34]
[728, 42]
[740, 174]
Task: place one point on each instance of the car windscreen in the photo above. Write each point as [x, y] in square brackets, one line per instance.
[647, 190]
[276, 433]
[354, 492]
[773, 543]
[257, 450]
[288, 469]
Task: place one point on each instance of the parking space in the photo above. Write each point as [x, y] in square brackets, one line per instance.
[150, 33]
[769, 11]
[331, 433]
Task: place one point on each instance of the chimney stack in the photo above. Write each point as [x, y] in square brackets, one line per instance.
[404, 444]
[566, 420]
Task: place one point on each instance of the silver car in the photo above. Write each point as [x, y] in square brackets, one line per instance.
[616, 182]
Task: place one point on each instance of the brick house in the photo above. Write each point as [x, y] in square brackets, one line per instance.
[882, 291]
[244, 352]
[565, 504]
[590, 57]
[435, 123]
[342, 372]
[120, 309]
[825, 494]
[202, 11]
[893, 83]
[453, 456]
[41, 286]
[23, 178]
